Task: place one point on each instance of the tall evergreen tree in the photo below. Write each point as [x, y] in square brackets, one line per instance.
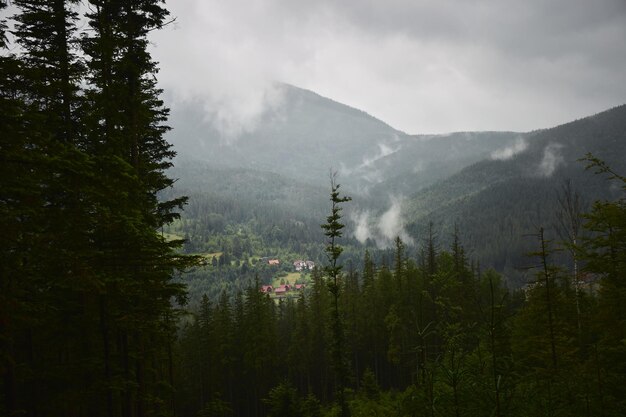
[125, 132]
[92, 317]
[333, 231]
[604, 251]
[19, 201]
[54, 203]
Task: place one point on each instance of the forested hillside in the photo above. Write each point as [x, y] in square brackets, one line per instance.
[497, 201]
[495, 187]
[432, 335]
[424, 160]
[245, 215]
[305, 135]
[87, 297]
[302, 137]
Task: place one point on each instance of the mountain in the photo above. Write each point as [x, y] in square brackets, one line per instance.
[497, 187]
[497, 202]
[302, 138]
[420, 161]
[307, 135]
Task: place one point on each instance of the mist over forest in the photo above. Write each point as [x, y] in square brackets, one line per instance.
[313, 209]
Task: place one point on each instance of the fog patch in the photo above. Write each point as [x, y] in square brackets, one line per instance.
[552, 159]
[391, 225]
[362, 230]
[344, 171]
[383, 151]
[235, 114]
[510, 151]
[382, 230]
[366, 170]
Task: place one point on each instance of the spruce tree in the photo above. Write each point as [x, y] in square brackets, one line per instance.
[19, 200]
[91, 322]
[54, 202]
[333, 231]
[125, 126]
[603, 250]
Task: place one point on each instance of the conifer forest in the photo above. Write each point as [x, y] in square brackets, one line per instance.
[125, 292]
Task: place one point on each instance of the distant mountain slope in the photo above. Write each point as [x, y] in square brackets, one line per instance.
[309, 134]
[422, 160]
[497, 186]
[303, 138]
[495, 202]
[250, 185]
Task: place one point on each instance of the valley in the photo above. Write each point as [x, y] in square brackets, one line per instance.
[185, 236]
[266, 191]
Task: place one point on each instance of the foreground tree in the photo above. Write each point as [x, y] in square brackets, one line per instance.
[333, 231]
[88, 278]
[604, 251]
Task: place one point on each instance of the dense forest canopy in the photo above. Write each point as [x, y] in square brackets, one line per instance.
[87, 313]
[235, 284]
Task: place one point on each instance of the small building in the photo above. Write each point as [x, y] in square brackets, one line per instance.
[267, 289]
[273, 262]
[301, 265]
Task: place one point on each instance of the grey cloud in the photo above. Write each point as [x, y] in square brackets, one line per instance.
[421, 66]
[383, 229]
[552, 159]
[362, 230]
[391, 225]
[510, 151]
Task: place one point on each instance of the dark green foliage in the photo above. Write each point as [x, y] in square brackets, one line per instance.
[435, 336]
[90, 320]
[89, 308]
[333, 231]
[496, 202]
[604, 252]
[283, 401]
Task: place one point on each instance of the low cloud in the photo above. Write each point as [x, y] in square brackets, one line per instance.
[421, 66]
[367, 170]
[383, 151]
[383, 230]
[234, 114]
[510, 151]
[419, 166]
[362, 230]
[552, 159]
[391, 223]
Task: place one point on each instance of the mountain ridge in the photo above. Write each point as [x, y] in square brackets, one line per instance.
[309, 134]
[497, 202]
[495, 186]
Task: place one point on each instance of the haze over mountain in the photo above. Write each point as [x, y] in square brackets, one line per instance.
[237, 279]
[499, 201]
[496, 186]
[306, 135]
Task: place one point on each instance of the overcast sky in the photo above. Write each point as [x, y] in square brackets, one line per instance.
[421, 66]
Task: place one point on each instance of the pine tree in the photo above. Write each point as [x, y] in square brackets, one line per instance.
[94, 302]
[19, 201]
[604, 251]
[545, 336]
[125, 134]
[54, 202]
[333, 231]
